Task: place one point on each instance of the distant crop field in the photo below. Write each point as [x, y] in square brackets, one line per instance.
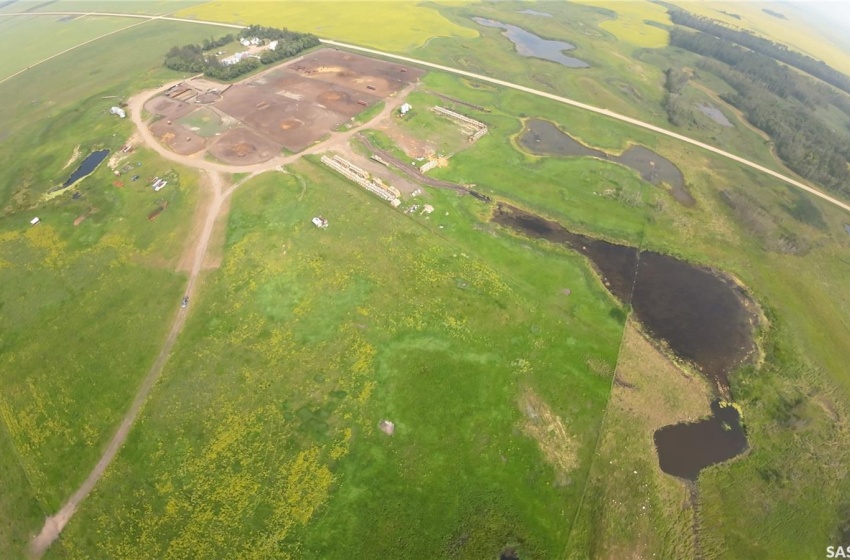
[630, 25]
[392, 26]
[158, 7]
[792, 31]
[24, 36]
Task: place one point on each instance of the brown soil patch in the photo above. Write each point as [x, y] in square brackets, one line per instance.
[290, 124]
[412, 147]
[357, 72]
[548, 430]
[331, 96]
[242, 146]
[177, 137]
[167, 107]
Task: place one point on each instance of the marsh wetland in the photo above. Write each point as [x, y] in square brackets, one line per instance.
[543, 138]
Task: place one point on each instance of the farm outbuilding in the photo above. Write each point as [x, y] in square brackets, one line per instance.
[118, 111]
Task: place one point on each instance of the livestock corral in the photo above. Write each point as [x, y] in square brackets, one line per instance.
[289, 107]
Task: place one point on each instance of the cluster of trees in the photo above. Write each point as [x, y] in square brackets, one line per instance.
[194, 58]
[807, 64]
[210, 44]
[803, 142]
[781, 102]
[678, 112]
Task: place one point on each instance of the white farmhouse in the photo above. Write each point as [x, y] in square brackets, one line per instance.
[117, 111]
[273, 45]
[405, 108]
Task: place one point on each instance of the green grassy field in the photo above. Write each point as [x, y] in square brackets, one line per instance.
[18, 33]
[147, 7]
[393, 26]
[632, 22]
[623, 77]
[83, 308]
[262, 439]
[293, 396]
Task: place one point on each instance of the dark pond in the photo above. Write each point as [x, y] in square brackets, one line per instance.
[87, 166]
[685, 449]
[544, 138]
[529, 44]
[704, 317]
[713, 113]
[531, 12]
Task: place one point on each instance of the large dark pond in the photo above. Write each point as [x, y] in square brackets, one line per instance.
[544, 138]
[87, 166]
[687, 448]
[703, 316]
[530, 45]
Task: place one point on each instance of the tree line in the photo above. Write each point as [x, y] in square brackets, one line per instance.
[210, 44]
[678, 112]
[807, 64]
[779, 101]
[194, 58]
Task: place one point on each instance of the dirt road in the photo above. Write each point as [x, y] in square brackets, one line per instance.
[54, 525]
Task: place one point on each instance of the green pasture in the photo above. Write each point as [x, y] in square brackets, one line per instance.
[622, 77]
[146, 7]
[84, 308]
[26, 37]
[262, 437]
[278, 422]
[802, 386]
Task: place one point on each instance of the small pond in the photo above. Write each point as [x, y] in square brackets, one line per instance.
[86, 167]
[713, 113]
[530, 45]
[531, 12]
[687, 448]
[544, 138]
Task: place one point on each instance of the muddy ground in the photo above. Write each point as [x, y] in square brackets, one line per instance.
[177, 137]
[242, 146]
[167, 107]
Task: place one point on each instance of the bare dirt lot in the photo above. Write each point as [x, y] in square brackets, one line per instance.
[291, 106]
[357, 72]
[242, 146]
[167, 107]
[177, 137]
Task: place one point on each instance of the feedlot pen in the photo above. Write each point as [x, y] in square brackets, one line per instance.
[287, 107]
